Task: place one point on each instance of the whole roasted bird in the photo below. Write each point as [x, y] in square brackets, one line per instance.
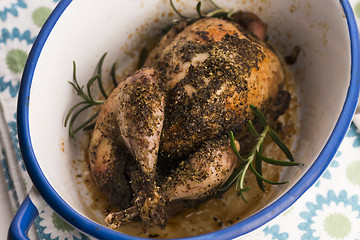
[161, 136]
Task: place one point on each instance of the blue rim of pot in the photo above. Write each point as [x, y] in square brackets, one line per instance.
[86, 225]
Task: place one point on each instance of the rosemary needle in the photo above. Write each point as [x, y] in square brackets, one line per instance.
[101, 87]
[113, 75]
[176, 11]
[198, 9]
[256, 157]
[88, 99]
[218, 13]
[215, 5]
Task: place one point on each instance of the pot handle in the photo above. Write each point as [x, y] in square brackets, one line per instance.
[25, 216]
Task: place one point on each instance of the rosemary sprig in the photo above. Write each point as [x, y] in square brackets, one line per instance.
[256, 157]
[88, 100]
[218, 12]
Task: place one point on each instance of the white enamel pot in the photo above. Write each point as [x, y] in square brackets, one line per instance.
[326, 72]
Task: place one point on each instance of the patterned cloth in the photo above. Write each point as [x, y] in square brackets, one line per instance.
[328, 210]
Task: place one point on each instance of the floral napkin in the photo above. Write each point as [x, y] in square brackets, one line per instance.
[328, 210]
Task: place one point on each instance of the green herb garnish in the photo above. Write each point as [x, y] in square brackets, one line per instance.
[88, 99]
[219, 12]
[256, 157]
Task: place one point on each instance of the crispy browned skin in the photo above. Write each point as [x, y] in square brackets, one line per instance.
[212, 73]
[108, 155]
[133, 116]
[197, 85]
[203, 171]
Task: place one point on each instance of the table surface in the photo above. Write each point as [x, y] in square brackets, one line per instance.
[20, 21]
[6, 212]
